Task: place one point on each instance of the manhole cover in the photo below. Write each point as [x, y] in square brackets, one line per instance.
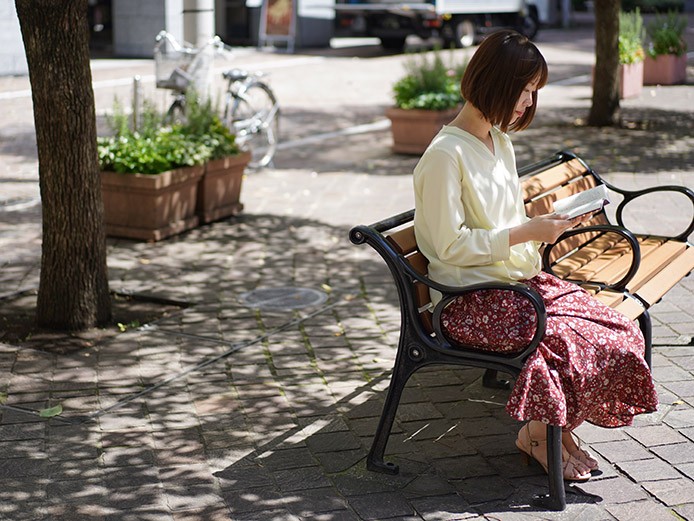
[283, 298]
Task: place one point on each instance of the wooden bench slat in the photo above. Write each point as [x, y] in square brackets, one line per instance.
[670, 275]
[608, 267]
[403, 240]
[551, 178]
[630, 308]
[590, 253]
[544, 204]
[653, 261]
[609, 298]
[419, 262]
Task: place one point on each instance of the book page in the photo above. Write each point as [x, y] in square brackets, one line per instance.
[583, 202]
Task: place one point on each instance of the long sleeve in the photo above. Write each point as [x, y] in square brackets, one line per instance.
[466, 201]
[443, 211]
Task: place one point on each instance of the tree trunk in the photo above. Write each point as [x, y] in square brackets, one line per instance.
[73, 289]
[604, 110]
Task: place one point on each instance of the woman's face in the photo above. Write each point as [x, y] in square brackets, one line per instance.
[525, 100]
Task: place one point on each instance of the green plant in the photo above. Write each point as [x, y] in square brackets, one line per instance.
[666, 35]
[203, 125]
[429, 83]
[631, 36]
[156, 146]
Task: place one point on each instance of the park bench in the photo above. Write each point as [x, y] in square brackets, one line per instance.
[627, 271]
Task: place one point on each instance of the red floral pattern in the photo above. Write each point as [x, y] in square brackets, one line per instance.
[588, 367]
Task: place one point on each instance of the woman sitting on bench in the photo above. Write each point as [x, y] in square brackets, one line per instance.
[471, 224]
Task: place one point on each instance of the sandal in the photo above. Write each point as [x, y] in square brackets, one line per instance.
[571, 465]
[582, 455]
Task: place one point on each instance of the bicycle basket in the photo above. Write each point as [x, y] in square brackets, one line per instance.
[171, 68]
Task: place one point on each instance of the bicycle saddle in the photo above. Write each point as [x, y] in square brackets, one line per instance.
[235, 75]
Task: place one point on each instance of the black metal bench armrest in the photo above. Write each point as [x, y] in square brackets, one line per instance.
[451, 293]
[631, 195]
[631, 239]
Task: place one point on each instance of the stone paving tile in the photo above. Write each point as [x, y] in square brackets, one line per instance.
[655, 435]
[640, 510]
[685, 511]
[620, 451]
[676, 454]
[648, 470]
[672, 492]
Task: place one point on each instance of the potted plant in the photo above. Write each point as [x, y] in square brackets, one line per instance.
[631, 54]
[666, 55]
[426, 98]
[153, 179]
[219, 190]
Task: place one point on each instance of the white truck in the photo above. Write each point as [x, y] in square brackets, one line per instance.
[455, 22]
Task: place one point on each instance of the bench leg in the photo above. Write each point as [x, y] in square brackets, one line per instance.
[556, 499]
[646, 330]
[401, 373]
[491, 381]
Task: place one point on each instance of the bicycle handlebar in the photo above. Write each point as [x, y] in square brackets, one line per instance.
[185, 47]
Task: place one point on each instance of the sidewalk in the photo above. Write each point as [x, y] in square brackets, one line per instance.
[218, 411]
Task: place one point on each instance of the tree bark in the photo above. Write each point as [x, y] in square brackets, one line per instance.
[73, 288]
[604, 110]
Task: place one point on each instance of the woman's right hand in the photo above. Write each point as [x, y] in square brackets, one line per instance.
[544, 228]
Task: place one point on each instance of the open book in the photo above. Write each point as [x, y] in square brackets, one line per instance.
[583, 202]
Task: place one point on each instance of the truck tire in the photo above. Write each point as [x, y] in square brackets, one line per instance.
[460, 33]
[394, 43]
[530, 24]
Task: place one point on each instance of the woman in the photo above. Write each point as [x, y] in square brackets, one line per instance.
[471, 224]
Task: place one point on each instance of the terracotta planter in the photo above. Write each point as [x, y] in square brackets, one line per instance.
[413, 130]
[219, 191]
[630, 80]
[150, 207]
[665, 69]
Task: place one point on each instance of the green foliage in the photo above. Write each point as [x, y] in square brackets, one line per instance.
[631, 35]
[666, 35]
[156, 146]
[50, 412]
[429, 83]
[652, 6]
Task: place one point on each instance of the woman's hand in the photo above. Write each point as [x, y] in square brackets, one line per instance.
[544, 228]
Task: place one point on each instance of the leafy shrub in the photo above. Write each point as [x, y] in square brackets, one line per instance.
[631, 35]
[666, 35]
[202, 124]
[157, 146]
[653, 6]
[429, 84]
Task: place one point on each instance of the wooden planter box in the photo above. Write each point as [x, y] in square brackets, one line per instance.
[219, 191]
[630, 80]
[666, 69]
[413, 130]
[150, 207]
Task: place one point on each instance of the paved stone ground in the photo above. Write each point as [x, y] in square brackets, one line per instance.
[218, 411]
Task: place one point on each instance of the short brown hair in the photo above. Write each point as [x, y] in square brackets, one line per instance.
[503, 65]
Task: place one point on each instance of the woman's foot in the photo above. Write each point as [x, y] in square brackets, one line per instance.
[573, 447]
[533, 444]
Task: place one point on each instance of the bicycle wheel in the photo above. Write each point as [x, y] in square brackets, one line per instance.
[252, 114]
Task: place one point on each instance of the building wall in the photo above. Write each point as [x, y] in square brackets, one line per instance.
[137, 22]
[12, 57]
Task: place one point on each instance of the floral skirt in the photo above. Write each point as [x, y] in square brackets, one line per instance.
[589, 366]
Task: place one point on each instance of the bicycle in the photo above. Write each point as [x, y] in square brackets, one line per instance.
[251, 111]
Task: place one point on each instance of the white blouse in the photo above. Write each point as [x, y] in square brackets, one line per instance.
[466, 199]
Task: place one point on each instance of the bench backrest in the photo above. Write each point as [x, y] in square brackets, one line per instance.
[540, 190]
[404, 242]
